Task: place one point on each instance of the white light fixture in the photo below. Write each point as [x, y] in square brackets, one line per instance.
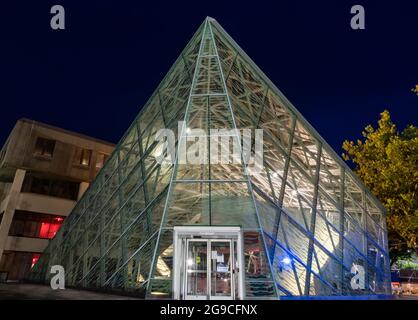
[286, 260]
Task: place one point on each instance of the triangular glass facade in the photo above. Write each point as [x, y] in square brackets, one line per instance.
[308, 224]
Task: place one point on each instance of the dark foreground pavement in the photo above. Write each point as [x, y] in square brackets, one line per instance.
[12, 291]
[19, 291]
[407, 297]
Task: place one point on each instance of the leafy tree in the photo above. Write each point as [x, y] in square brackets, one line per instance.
[387, 161]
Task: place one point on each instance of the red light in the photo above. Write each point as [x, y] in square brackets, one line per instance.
[48, 230]
[43, 232]
[35, 258]
[53, 229]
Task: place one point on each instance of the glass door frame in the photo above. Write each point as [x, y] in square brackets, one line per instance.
[232, 271]
[186, 273]
[233, 235]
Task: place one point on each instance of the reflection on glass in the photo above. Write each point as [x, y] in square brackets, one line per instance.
[196, 265]
[221, 268]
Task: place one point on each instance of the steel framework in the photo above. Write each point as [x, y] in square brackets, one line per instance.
[307, 219]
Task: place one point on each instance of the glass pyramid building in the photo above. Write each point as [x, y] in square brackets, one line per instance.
[301, 225]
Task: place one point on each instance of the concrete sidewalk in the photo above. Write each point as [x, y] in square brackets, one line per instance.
[18, 291]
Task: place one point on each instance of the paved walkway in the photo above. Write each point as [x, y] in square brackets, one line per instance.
[10, 291]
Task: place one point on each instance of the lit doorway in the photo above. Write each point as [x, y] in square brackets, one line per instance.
[207, 263]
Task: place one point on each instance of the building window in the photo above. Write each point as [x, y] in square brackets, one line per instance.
[17, 265]
[101, 159]
[44, 147]
[35, 225]
[82, 157]
[3, 151]
[35, 258]
[51, 187]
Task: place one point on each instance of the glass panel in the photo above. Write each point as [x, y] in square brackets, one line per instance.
[149, 134]
[220, 114]
[208, 78]
[354, 261]
[301, 183]
[196, 264]
[189, 204]
[242, 118]
[221, 268]
[328, 269]
[295, 205]
[138, 267]
[276, 120]
[330, 176]
[193, 153]
[378, 269]
[231, 204]
[225, 51]
[328, 226]
[112, 261]
[353, 201]
[289, 273]
[304, 149]
[375, 222]
[248, 90]
[268, 213]
[225, 156]
[173, 93]
[208, 47]
[198, 113]
[258, 280]
[293, 238]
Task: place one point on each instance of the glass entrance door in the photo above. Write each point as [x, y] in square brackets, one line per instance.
[209, 269]
[196, 279]
[221, 284]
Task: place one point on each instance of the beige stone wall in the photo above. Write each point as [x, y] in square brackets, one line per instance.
[9, 208]
[44, 204]
[25, 244]
[19, 159]
[21, 147]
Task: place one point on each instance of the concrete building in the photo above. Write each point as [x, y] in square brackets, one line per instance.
[44, 170]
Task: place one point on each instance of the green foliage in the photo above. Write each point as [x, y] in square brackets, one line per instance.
[387, 161]
[407, 265]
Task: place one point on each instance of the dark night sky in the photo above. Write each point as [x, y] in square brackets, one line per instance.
[94, 76]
